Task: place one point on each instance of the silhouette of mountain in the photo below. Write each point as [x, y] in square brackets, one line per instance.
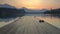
[31, 10]
[7, 11]
[6, 6]
[34, 11]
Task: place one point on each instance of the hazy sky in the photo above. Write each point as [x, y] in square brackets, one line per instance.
[33, 4]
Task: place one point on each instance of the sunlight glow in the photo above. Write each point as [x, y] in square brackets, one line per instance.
[33, 4]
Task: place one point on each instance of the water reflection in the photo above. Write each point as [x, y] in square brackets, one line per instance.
[49, 19]
[52, 20]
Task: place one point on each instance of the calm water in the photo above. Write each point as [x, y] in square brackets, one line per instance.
[52, 20]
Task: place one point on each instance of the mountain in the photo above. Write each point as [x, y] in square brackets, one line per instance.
[31, 10]
[6, 6]
[8, 11]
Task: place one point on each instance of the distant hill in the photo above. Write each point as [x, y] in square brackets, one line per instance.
[6, 6]
[35, 11]
[7, 11]
[30, 10]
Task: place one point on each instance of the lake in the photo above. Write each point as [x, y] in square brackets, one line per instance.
[55, 21]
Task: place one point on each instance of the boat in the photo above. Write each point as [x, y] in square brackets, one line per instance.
[41, 21]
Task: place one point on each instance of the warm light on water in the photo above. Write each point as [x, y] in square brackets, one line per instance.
[52, 20]
[55, 21]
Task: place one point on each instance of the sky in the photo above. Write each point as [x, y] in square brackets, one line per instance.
[33, 4]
